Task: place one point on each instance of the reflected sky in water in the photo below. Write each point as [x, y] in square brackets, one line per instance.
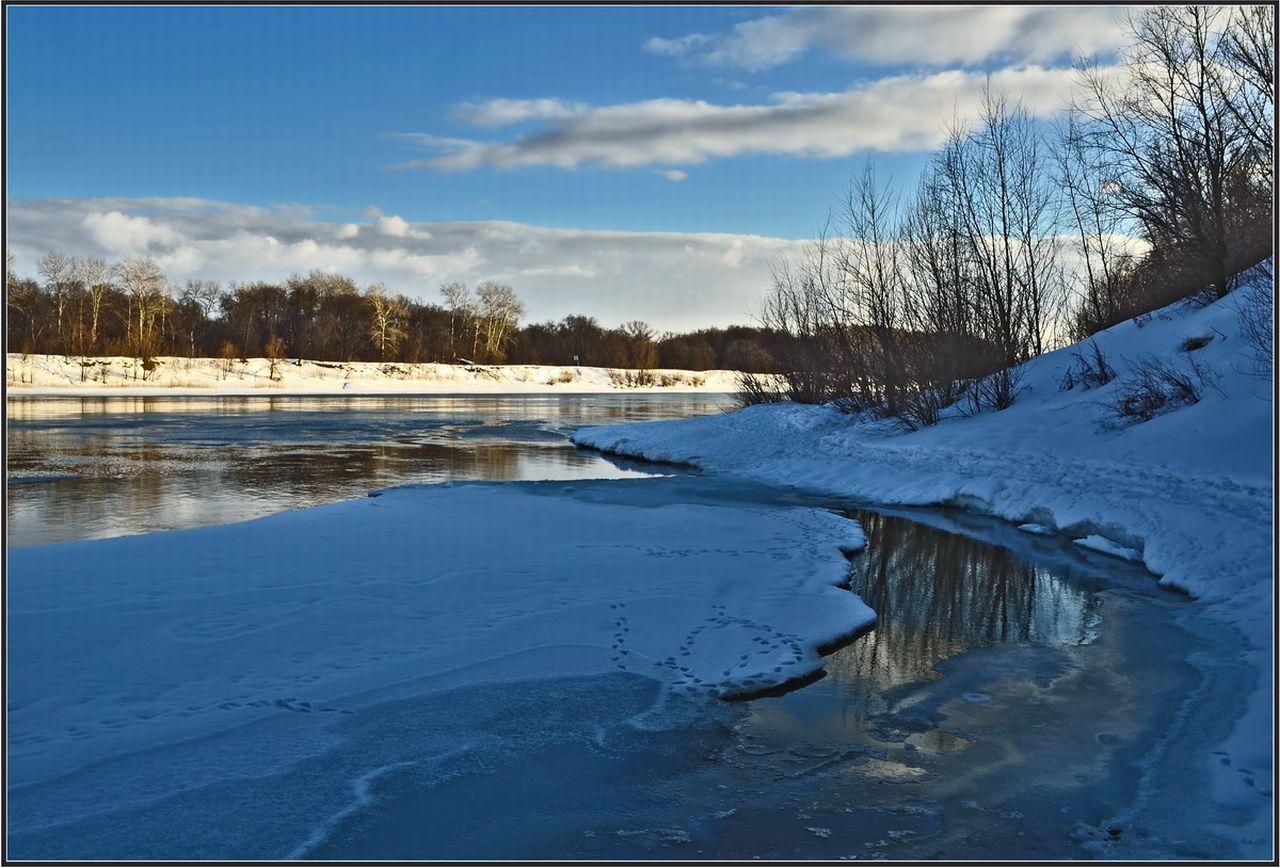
[85, 468]
[937, 595]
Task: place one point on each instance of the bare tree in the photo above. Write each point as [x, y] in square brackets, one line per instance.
[642, 352]
[498, 312]
[938, 304]
[460, 302]
[25, 298]
[1098, 226]
[387, 325]
[870, 285]
[144, 283]
[94, 275]
[57, 271]
[275, 350]
[227, 353]
[1248, 79]
[997, 179]
[1182, 161]
[819, 360]
[1257, 309]
[204, 293]
[202, 298]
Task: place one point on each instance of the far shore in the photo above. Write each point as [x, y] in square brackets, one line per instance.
[78, 376]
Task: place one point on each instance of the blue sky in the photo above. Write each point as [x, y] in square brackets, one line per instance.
[742, 121]
[267, 105]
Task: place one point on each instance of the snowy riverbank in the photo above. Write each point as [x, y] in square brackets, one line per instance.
[121, 375]
[1188, 492]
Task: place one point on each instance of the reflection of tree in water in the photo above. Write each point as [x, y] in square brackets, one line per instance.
[122, 486]
[937, 594]
[319, 470]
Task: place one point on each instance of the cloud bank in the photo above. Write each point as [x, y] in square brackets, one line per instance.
[900, 113]
[923, 35]
[673, 280]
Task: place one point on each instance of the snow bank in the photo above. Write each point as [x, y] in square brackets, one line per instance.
[147, 647]
[52, 375]
[1189, 492]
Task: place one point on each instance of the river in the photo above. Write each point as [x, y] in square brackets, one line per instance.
[1017, 698]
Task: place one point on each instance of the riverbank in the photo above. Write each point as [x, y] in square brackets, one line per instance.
[1188, 492]
[31, 374]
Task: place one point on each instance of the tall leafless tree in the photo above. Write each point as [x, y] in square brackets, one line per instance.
[498, 313]
[94, 277]
[1184, 160]
[56, 269]
[387, 326]
[459, 301]
[144, 283]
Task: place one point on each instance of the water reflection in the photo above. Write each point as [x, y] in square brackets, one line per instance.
[938, 594]
[94, 467]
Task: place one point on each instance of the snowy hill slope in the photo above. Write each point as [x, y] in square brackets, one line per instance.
[1189, 492]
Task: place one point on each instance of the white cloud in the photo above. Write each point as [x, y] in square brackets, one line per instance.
[673, 280]
[894, 35]
[129, 235]
[893, 114]
[674, 175]
[500, 112]
[393, 225]
[677, 47]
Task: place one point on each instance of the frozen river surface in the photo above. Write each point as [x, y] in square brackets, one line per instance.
[1017, 697]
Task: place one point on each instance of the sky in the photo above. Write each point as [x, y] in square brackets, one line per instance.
[627, 163]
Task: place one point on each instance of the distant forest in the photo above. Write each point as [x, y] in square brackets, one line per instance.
[89, 307]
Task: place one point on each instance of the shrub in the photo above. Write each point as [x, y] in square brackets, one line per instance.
[1089, 369]
[632, 379]
[994, 391]
[227, 353]
[758, 389]
[1155, 387]
[275, 350]
[1190, 345]
[1257, 320]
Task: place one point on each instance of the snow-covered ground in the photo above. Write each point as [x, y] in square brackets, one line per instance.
[120, 375]
[1189, 493]
[145, 670]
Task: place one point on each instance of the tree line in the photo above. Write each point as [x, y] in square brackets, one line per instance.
[89, 307]
[1017, 237]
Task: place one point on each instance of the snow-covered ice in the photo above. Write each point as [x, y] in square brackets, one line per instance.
[1190, 490]
[1100, 543]
[134, 662]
